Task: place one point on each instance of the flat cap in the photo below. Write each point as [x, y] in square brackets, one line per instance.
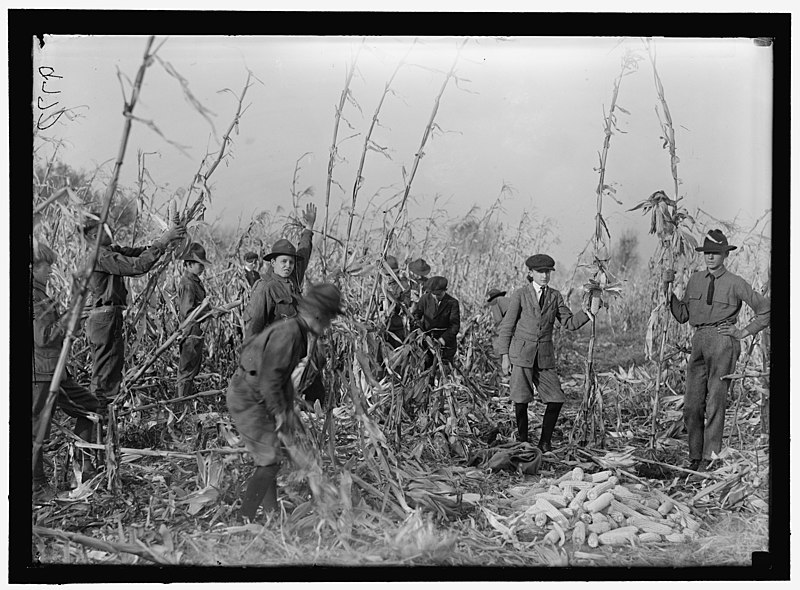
[436, 284]
[540, 262]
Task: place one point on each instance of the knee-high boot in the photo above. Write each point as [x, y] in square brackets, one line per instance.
[521, 414]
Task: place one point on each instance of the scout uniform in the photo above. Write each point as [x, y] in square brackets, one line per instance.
[273, 297]
[74, 399]
[399, 299]
[108, 296]
[526, 336]
[261, 391]
[712, 300]
[190, 295]
[439, 319]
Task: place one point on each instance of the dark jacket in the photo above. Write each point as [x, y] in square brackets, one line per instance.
[190, 294]
[107, 283]
[526, 331]
[274, 298]
[442, 321]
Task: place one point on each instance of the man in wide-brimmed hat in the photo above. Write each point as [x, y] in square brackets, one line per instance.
[108, 296]
[275, 296]
[711, 304]
[190, 295]
[261, 393]
[525, 342]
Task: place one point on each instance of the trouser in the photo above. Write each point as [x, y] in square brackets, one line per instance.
[190, 360]
[713, 355]
[75, 400]
[104, 332]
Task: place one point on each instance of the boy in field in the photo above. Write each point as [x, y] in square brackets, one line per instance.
[525, 342]
[49, 329]
[109, 296]
[711, 304]
[190, 295]
[439, 316]
[251, 274]
[261, 395]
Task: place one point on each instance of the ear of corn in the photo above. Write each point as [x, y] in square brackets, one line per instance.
[600, 476]
[616, 516]
[579, 534]
[648, 526]
[552, 512]
[603, 487]
[553, 499]
[649, 538]
[620, 536]
[599, 527]
[666, 507]
[577, 474]
[593, 540]
[579, 499]
[540, 519]
[599, 503]
[675, 538]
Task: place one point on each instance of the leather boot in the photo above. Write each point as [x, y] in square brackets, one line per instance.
[521, 414]
[548, 425]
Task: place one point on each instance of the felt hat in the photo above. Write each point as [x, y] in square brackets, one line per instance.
[323, 297]
[436, 284]
[283, 247]
[196, 253]
[419, 267]
[715, 241]
[392, 262]
[540, 262]
[492, 294]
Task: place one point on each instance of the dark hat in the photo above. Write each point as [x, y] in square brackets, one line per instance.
[494, 293]
[715, 241]
[196, 253]
[540, 262]
[250, 256]
[283, 247]
[392, 262]
[419, 267]
[436, 284]
[323, 297]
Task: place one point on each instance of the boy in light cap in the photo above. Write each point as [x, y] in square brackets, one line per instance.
[260, 395]
[711, 304]
[525, 342]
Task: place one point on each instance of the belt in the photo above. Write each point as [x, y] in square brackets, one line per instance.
[717, 325]
[100, 308]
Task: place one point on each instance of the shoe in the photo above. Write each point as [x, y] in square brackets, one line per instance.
[545, 446]
[699, 465]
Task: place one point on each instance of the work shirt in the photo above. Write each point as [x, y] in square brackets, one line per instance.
[274, 298]
[107, 283]
[729, 292]
[48, 333]
[190, 294]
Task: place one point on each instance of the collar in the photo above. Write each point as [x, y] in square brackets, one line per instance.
[717, 273]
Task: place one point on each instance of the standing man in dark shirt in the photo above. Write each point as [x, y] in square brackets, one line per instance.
[711, 304]
[251, 274]
[109, 296]
[439, 316]
[190, 295]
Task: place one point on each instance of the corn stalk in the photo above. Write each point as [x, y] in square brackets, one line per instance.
[82, 277]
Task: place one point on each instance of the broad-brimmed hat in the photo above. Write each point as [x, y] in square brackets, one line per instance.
[196, 253]
[323, 297]
[419, 267]
[392, 262]
[540, 262]
[283, 247]
[715, 241]
[493, 294]
[436, 284]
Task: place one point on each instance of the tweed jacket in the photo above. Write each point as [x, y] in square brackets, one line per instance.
[526, 332]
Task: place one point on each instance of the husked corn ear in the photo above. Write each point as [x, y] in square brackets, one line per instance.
[600, 476]
[555, 499]
[666, 506]
[599, 527]
[617, 506]
[652, 503]
[622, 492]
[577, 474]
[579, 499]
[649, 537]
[579, 534]
[598, 503]
[648, 526]
[551, 537]
[602, 487]
[592, 540]
[675, 538]
[599, 517]
[620, 536]
[552, 512]
[642, 509]
[586, 517]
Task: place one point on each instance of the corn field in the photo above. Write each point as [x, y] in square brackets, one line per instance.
[399, 465]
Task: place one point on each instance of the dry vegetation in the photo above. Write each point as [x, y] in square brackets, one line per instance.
[368, 485]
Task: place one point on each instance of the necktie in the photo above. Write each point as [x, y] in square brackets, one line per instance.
[541, 298]
[710, 294]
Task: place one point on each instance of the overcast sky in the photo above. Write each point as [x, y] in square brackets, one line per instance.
[527, 112]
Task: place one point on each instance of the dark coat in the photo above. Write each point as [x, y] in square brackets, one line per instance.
[442, 321]
[526, 331]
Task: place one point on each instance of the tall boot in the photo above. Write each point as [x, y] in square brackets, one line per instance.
[262, 486]
[521, 414]
[548, 425]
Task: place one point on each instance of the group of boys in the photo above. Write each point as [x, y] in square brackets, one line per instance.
[281, 355]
